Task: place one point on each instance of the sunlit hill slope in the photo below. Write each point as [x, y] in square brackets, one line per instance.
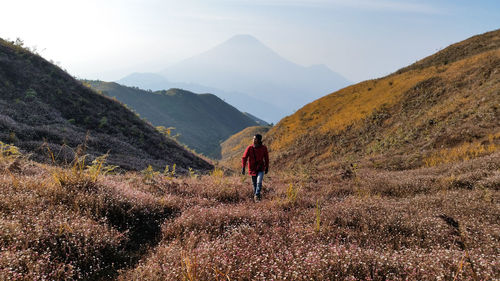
[440, 109]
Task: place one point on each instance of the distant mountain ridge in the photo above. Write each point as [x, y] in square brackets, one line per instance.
[42, 108]
[244, 67]
[256, 119]
[202, 120]
[244, 64]
[443, 108]
[243, 102]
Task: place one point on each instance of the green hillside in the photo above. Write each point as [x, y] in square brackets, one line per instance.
[43, 109]
[202, 121]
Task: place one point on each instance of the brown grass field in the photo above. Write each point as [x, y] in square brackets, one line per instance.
[348, 223]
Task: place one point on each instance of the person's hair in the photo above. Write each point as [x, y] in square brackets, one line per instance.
[258, 137]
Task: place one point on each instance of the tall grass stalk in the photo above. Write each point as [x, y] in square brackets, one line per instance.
[218, 175]
[291, 193]
[318, 216]
[149, 174]
[219, 275]
[192, 173]
[168, 173]
[188, 266]
[99, 167]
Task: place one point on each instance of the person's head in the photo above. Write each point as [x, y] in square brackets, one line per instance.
[257, 139]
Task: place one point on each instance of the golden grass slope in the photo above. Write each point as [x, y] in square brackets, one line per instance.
[406, 115]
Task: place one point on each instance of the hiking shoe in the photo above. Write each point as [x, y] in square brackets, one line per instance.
[255, 199]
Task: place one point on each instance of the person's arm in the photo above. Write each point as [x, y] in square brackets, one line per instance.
[244, 160]
[266, 158]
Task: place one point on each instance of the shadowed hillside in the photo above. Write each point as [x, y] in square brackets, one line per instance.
[442, 109]
[202, 120]
[233, 147]
[43, 108]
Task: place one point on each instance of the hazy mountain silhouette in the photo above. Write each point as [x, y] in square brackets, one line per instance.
[244, 64]
[243, 102]
[246, 73]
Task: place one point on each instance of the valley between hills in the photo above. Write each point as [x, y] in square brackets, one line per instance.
[395, 178]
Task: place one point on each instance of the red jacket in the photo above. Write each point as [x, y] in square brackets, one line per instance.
[258, 159]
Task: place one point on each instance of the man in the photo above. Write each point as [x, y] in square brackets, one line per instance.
[258, 164]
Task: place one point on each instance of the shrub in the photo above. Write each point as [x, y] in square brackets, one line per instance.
[102, 122]
[462, 152]
[8, 152]
[149, 174]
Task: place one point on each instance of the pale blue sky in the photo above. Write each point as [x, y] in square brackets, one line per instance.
[360, 39]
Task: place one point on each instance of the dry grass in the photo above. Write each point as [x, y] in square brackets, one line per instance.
[431, 223]
[373, 226]
[68, 223]
[348, 105]
[465, 151]
[363, 218]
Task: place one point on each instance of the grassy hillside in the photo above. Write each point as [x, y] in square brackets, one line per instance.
[437, 221]
[443, 108]
[202, 120]
[66, 224]
[73, 224]
[233, 147]
[43, 108]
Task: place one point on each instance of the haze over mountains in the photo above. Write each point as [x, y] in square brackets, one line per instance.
[248, 75]
[157, 82]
